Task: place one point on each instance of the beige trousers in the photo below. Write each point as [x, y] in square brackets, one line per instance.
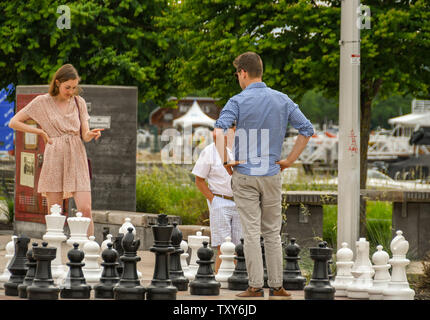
[258, 201]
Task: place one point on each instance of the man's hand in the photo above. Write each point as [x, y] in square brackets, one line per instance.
[284, 164]
[228, 166]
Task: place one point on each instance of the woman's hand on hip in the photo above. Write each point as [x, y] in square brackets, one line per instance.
[45, 137]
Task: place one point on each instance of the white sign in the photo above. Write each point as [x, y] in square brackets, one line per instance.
[102, 122]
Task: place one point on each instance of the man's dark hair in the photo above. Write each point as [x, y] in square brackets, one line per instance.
[251, 63]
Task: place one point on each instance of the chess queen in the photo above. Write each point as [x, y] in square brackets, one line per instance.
[62, 117]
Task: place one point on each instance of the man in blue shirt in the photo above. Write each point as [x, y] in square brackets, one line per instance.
[261, 116]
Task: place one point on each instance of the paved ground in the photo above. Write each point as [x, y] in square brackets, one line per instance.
[146, 267]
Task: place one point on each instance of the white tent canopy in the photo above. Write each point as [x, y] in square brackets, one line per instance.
[194, 116]
[411, 120]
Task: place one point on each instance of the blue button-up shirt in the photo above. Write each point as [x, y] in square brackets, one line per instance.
[261, 116]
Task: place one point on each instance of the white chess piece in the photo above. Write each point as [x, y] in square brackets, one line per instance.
[127, 224]
[382, 275]
[362, 271]
[184, 264]
[104, 243]
[398, 287]
[92, 270]
[78, 229]
[344, 276]
[195, 243]
[10, 252]
[227, 266]
[55, 236]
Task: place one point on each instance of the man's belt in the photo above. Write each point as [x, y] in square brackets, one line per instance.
[225, 197]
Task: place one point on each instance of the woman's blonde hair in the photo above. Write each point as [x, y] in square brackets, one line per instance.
[64, 73]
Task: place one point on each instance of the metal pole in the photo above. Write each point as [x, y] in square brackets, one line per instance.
[349, 127]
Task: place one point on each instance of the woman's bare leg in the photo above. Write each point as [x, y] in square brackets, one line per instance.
[83, 204]
[54, 198]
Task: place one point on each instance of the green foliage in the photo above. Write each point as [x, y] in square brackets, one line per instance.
[171, 190]
[9, 210]
[378, 223]
[111, 42]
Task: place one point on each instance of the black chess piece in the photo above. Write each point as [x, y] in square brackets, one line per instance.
[31, 272]
[204, 283]
[43, 287]
[263, 254]
[239, 278]
[293, 279]
[319, 287]
[161, 287]
[110, 277]
[175, 269]
[329, 263]
[75, 286]
[117, 245]
[128, 287]
[17, 266]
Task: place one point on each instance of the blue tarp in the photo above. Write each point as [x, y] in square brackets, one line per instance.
[6, 139]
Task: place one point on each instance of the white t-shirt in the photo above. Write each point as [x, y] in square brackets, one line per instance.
[210, 167]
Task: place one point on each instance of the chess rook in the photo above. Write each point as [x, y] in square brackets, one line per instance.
[319, 287]
[43, 286]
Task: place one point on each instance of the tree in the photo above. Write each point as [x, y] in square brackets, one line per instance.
[111, 42]
[298, 42]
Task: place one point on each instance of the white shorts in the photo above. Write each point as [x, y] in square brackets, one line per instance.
[224, 221]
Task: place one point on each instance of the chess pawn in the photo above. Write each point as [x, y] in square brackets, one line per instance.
[10, 252]
[398, 287]
[78, 229]
[263, 256]
[293, 279]
[110, 277]
[43, 286]
[184, 256]
[205, 284]
[17, 266]
[227, 266]
[362, 271]
[31, 272]
[382, 275]
[127, 224]
[195, 242]
[55, 236]
[161, 287]
[91, 269]
[75, 286]
[128, 287]
[319, 287]
[344, 276]
[104, 246]
[239, 278]
[176, 273]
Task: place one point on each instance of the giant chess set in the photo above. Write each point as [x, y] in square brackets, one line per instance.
[39, 273]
